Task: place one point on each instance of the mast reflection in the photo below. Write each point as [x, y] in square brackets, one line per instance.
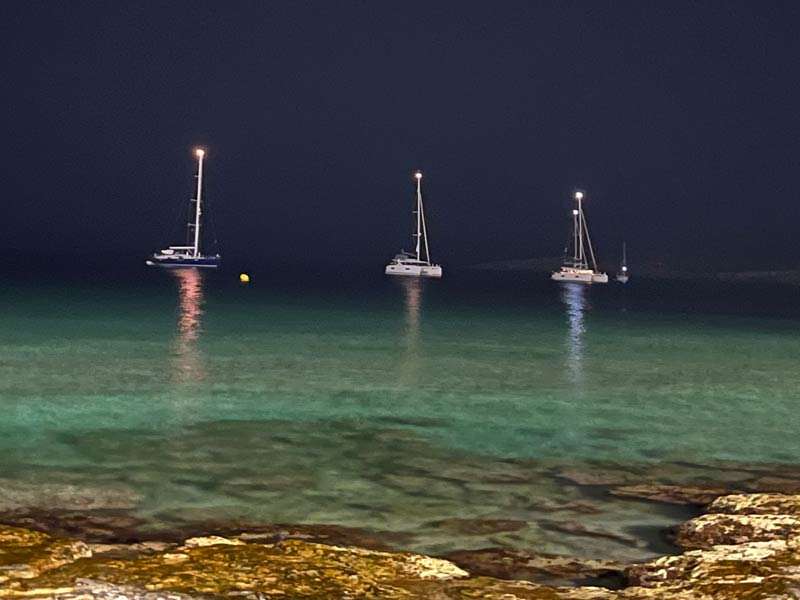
[573, 295]
[188, 360]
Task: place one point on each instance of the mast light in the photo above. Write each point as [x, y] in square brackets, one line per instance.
[575, 211]
[418, 175]
[578, 195]
[200, 152]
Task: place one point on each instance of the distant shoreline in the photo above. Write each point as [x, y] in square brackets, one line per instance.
[649, 271]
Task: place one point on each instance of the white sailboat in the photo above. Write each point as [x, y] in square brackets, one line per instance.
[189, 255]
[622, 274]
[578, 268]
[418, 263]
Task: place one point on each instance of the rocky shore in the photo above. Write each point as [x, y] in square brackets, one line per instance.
[744, 546]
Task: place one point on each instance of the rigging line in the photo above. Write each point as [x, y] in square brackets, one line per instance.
[425, 233]
[589, 241]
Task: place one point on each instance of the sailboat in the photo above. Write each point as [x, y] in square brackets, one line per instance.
[189, 255]
[622, 274]
[417, 263]
[578, 268]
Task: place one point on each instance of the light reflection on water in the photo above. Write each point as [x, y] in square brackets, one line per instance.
[483, 417]
[412, 289]
[188, 360]
[574, 298]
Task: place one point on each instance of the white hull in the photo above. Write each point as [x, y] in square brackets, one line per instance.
[434, 271]
[622, 278]
[151, 263]
[586, 276]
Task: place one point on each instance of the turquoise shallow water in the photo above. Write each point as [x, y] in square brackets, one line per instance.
[393, 405]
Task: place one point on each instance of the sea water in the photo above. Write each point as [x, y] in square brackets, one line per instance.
[421, 408]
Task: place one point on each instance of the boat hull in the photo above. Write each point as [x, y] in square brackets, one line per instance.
[205, 262]
[584, 276]
[622, 278]
[433, 271]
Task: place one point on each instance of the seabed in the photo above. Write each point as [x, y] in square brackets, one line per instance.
[740, 545]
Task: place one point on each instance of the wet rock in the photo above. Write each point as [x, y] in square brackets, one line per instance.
[505, 563]
[25, 554]
[211, 540]
[757, 504]
[291, 568]
[479, 526]
[129, 550]
[87, 589]
[750, 554]
[754, 570]
[95, 526]
[670, 494]
[710, 530]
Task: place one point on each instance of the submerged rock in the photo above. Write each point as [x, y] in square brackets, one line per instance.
[670, 494]
[336, 535]
[770, 483]
[18, 495]
[577, 528]
[96, 526]
[480, 526]
[598, 476]
[553, 569]
[747, 550]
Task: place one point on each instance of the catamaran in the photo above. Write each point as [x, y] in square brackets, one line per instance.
[622, 274]
[417, 263]
[190, 255]
[577, 268]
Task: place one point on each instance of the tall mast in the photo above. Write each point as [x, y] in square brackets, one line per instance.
[418, 177]
[575, 237]
[624, 255]
[585, 231]
[200, 153]
[583, 227]
[579, 227]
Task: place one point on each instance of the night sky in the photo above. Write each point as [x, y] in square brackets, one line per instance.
[680, 119]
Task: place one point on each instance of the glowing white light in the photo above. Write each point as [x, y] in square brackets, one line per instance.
[200, 153]
[578, 195]
[624, 268]
[418, 175]
[575, 211]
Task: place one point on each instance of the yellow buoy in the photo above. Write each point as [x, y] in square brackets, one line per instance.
[244, 278]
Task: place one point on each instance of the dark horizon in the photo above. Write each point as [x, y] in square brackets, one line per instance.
[679, 120]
